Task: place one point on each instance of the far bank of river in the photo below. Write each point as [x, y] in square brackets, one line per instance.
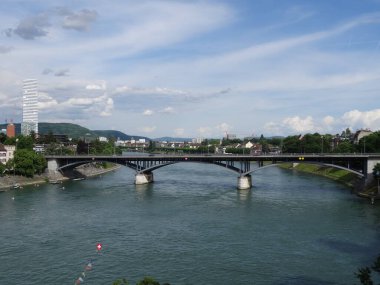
[88, 170]
[347, 178]
[342, 176]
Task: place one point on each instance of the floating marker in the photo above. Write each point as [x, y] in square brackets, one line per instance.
[99, 246]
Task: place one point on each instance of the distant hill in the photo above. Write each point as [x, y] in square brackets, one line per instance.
[117, 134]
[75, 131]
[171, 139]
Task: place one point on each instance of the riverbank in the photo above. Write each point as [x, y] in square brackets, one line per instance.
[342, 176]
[89, 170]
[368, 191]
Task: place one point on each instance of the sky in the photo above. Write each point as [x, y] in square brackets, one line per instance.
[195, 68]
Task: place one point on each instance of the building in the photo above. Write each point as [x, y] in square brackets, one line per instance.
[11, 130]
[29, 107]
[6, 153]
[256, 149]
[197, 140]
[361, 134]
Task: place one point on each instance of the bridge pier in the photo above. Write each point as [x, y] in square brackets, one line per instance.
[244, 182]
[143, 178]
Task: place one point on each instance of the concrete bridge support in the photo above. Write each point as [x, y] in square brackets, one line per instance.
[143, 178]
[244, 182]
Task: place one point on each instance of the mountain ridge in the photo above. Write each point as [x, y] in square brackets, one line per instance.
[76, 131]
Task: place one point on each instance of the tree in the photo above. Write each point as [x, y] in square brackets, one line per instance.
[344, 147]
[82, 147]
[120, 282]
[33, 136]
[370, 143]
[292, 144]
[376, 170]
[25, 142]
[27, 163]
[2, 169]
[3, 138]
[49, 138]
[364, 274]
[145, 281]
[151, 146]
[40, 163]
[148, 281]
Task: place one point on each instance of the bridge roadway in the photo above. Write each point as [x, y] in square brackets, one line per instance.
[145, 164]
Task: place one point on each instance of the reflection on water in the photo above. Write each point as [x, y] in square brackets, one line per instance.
[191, 226]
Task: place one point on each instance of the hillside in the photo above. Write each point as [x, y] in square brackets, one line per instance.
[75, 131]
[173, 139]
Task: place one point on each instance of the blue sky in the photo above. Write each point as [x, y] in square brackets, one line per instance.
[195, 68]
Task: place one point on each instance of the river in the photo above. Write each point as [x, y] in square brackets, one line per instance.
[191, 226]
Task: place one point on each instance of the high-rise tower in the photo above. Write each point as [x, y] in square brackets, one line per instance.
[29, 107]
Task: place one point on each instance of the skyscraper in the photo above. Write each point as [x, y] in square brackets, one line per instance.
[29, 107]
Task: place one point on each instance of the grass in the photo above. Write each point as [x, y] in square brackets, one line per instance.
[339, 175]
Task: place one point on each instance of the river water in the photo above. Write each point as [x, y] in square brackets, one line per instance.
[191, 226]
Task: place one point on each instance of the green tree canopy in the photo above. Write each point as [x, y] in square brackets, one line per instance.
[370, 143]
[376, 170]
[27, 163]
[24, 142]
[344, 147]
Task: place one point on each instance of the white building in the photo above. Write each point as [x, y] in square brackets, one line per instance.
[29, 107]
[6, 153]
[197, 140]
[361, 134]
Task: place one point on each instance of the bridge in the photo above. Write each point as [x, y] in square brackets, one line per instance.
[145, 164]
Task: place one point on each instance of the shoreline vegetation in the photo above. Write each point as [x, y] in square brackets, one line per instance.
[342, 176]
[347, 178]
[85, 171]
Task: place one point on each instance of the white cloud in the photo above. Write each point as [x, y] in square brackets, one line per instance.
[46, 102]
[328, 120]
[147, 91]
[108, 108]
[101, 86]
[168, 110]
[204, 131]
[300, 125]
[148, 112]
[356, 119]
[79, 102]
[179, 132]
[79, 21]
[223, 127]
[148, 129]
[273, 128]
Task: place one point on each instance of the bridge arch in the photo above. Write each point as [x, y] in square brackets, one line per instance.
[309, 162]
[227, 166]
